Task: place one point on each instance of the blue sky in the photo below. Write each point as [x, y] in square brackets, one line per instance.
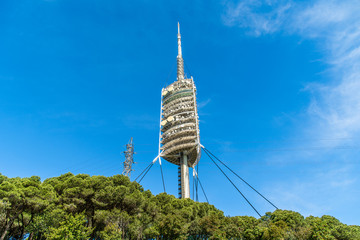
[278, 91]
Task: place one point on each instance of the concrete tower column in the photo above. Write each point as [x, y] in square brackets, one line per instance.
[185, 185]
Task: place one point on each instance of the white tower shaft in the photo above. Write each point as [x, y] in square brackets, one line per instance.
[185, 185]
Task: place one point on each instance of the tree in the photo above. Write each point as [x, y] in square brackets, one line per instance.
[23, 199]
[72, 227]
[97, 207]
[319, 229]
[290, 223]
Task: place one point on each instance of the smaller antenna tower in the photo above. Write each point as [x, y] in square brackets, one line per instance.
[129, 158]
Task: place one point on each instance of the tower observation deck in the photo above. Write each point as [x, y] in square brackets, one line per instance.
[180, 139]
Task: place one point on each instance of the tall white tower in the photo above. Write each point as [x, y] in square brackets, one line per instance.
[180, 137]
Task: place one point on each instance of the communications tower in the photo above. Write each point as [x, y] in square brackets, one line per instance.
[129, 158]
[179, 130]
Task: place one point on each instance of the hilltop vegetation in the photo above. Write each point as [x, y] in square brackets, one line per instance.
[110, 208]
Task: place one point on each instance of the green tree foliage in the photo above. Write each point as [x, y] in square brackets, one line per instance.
[112, 208]
[21, 200]
[70, 228]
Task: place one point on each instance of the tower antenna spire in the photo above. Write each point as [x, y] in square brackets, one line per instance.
[180, 61]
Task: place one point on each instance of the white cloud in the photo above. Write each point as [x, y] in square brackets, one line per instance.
[202, 104]
[334, 110]
[250, 14]
[335, 25]
[325, 185]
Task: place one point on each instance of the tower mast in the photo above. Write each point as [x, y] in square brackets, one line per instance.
[184, 183]
[179, 124]
[180, 61]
